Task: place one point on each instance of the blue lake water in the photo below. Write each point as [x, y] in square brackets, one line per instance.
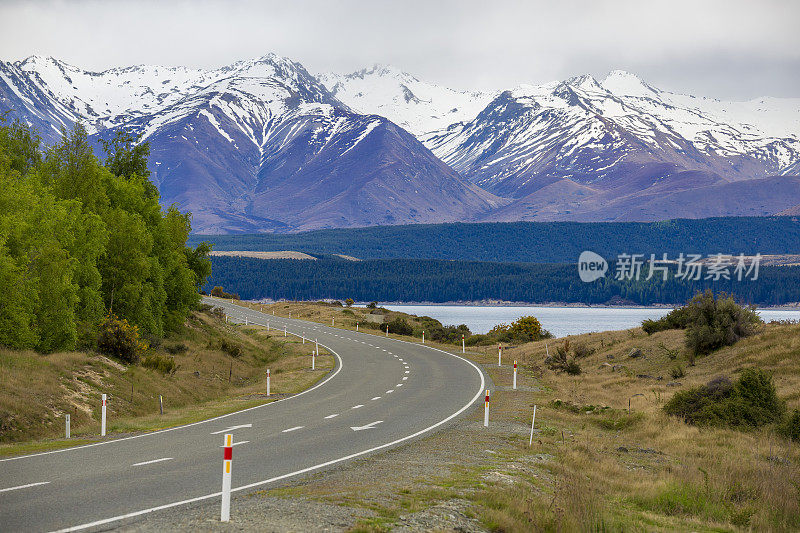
[560, 321]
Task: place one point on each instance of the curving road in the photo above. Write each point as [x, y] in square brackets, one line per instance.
[382, 392]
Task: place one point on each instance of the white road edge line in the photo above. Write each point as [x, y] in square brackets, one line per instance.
[321, 383]
[25, 486]
[307, 469]
[153, 461]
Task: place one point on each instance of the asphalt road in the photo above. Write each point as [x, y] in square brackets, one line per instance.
[383, 392]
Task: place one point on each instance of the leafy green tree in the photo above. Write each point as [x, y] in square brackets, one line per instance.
[199, 262]
[126, 156]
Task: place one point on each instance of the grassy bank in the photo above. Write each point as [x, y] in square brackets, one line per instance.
[594, 464]
[220, 368]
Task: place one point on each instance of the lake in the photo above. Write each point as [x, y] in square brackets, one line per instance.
[560, 321]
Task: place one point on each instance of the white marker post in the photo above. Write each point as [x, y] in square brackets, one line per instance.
[67, 417]
[226, 318]
[387, 330]
[313, 360]
[304, 339]
[227, 459]
[284, 330]
[499, 355]
[333, 321]
[245, 321]
[423, 336]
[103, 418]
[530, 443]
[515, 374]
[290, 314]
[268, 382]
[356, 326]
[161, 404]
[463, 349]
[316, 345]
[267, 325]
[486, 411]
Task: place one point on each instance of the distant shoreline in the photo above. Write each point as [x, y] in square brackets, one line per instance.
[785, 307]
[794, 306]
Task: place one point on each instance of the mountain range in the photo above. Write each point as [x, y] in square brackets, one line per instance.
[265, 146]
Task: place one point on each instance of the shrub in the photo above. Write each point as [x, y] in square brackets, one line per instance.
[561, 361]
[790, 427]
[581, 350]
[349, 302]
[526, 328]
[120, 340]
[398, 326]
[176, 348]
[572, 368]
[717, 322]
[751, 402]
[219, 292]
[675, 319]
[677, 372]
[230, 348]
[372, 305]
[160, 363]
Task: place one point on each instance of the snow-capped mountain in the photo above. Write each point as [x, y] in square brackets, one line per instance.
[263, 145]
[600, 133]
[415, 105]
[257, 145]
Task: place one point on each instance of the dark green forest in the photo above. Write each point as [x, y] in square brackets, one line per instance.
[414, 280]
[81, 239]
[534, 242]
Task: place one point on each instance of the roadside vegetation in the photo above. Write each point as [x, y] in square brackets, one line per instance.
[207, 368]
[629, 443]
[81, 241]
[376, 319]
[101, 295]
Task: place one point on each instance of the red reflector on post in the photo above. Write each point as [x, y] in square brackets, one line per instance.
[228, 454]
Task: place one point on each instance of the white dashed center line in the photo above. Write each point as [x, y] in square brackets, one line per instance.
[153, 461]
[332, 416]
[292, 429]
[25, 486]
[359, 406]
[376, 398]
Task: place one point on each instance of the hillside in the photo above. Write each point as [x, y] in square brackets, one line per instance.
[539, 242]
[220, 368]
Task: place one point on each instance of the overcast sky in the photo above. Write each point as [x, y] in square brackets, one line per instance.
[728, 49]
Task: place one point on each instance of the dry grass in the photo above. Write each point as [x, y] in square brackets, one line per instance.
[610, 469]
[644, 470]
[38, 390]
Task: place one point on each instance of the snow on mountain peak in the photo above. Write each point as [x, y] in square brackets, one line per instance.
[417, 106]
[623, 83]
